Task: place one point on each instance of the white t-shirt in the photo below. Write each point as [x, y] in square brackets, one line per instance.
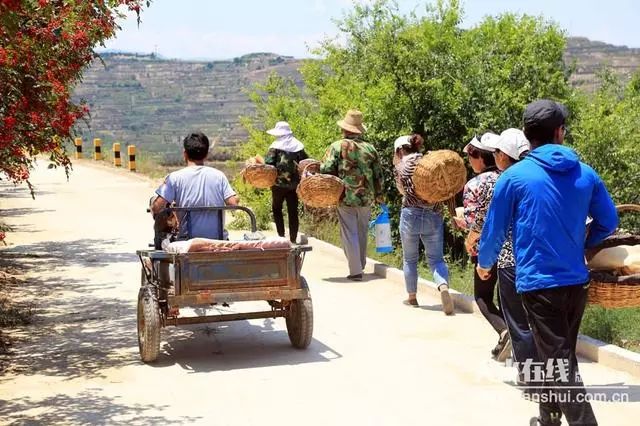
[198, 186]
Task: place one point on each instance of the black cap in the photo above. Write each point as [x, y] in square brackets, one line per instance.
[544, 113]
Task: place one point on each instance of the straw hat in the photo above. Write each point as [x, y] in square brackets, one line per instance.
[352, 122]
[282, 128]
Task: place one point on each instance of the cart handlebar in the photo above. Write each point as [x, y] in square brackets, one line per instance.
[247, 210]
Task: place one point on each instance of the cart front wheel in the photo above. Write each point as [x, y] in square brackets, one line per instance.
[148, 325]
[300, 321]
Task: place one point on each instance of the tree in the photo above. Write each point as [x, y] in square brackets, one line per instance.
[44, 47]
[419, 74]
[605, 134]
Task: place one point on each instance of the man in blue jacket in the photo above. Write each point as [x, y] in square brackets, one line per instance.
[547, 198]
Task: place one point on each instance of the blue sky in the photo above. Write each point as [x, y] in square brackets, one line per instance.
[220, 29]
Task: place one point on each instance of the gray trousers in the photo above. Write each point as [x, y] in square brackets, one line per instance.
[354, 226]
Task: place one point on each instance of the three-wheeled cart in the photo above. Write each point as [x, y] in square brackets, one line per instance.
[173, 281]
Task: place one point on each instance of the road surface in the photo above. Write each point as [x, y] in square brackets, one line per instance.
[372, 361]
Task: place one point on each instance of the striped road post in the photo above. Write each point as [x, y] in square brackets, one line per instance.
[97, 147]
[131, 150]
[78, 143]
[117, 161]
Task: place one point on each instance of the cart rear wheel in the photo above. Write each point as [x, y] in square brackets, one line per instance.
[148, 325]
[300, 321]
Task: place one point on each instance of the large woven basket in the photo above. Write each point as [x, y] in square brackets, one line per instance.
[319, 190]
[615, 291]
[439, 176]
[260, 176]
[313, 166]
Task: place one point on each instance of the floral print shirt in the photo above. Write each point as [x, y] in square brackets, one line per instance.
[477, 196]
[506, 259]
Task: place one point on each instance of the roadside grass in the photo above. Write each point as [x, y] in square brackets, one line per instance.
[12, 313]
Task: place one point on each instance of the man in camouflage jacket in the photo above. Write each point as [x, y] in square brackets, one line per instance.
[357, 163]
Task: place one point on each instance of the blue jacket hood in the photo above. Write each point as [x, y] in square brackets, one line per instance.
[554, 157]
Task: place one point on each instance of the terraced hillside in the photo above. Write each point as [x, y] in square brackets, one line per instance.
[591, 56]
[153, 102]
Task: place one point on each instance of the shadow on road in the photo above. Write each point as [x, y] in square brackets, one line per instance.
[19, 212]
[42, 256]
[73, 338]
[365, 278]
[234, 346]
[83, 408]
[78, 329]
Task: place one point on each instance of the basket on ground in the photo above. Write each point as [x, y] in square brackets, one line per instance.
[262, 176]
[319, 190]
[608, 289]
[439, 176]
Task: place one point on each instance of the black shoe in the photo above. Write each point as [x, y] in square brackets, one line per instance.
[505, 353]
[537, 421]
[356, 277]
[496, 350]
[502, 341]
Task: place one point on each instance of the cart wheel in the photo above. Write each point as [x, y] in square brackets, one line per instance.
[300, 321]
[148, 325]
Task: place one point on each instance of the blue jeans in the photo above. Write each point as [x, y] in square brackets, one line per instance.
[422, 224]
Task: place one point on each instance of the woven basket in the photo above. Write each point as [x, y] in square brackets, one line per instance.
[319, 190]
[313, 166]
[262, 176]
[439, 176]
[614, 291]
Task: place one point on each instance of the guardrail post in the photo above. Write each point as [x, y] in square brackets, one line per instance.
[117, 160]
[131, 150]
[97, 147]
[78, 143]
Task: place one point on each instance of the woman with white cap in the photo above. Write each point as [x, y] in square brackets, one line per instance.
[419, 221]
[284, 154]
[511, 147]
[477, 195]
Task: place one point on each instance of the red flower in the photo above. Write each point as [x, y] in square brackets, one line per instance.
[9, 122]
[44, 54]
[36, 118]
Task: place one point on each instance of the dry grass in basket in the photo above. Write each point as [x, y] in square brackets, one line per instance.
[609, 289]
[439, 176]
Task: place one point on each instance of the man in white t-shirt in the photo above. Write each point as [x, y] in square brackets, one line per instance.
[196, 186]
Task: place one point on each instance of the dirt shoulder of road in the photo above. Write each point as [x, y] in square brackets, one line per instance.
[13, 311]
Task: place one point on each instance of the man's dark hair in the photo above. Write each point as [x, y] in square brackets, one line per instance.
[541, 119]
[416, 141]
[488, 158]
[196, 145]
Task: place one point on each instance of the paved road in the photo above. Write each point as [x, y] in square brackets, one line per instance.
[372, 360]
